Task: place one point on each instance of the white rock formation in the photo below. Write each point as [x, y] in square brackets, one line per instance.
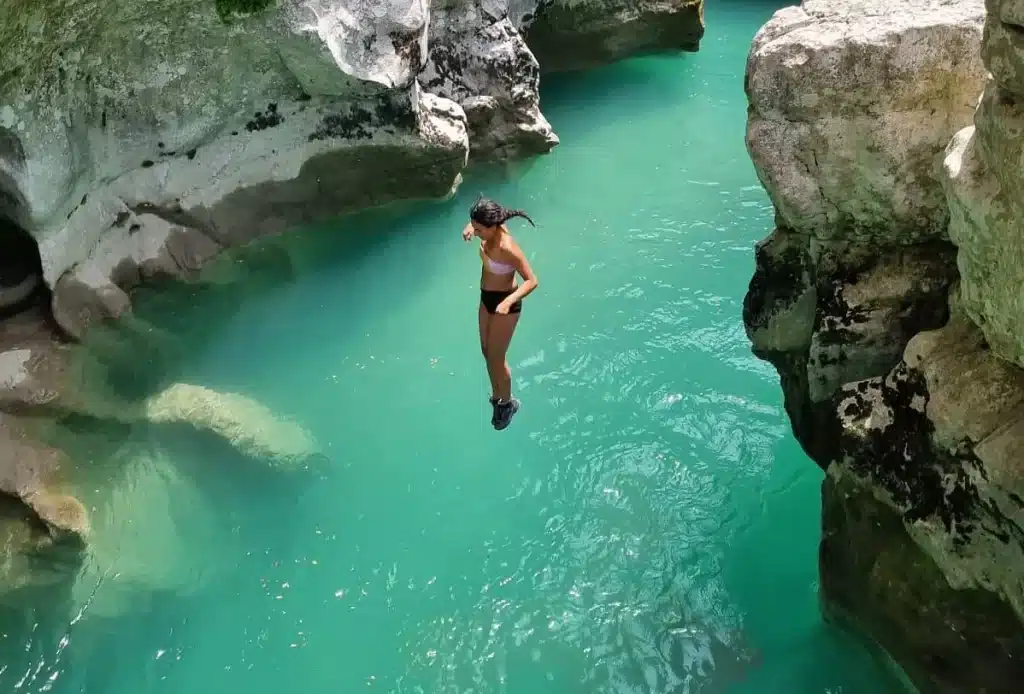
[480, 59]
[142, 137]
[850, 105]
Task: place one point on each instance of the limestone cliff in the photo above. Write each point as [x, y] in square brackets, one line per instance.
[888, 298]
[137, 139]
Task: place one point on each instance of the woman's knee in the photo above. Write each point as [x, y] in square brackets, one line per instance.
[495, 359]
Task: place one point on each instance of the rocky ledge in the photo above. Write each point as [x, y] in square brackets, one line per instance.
[888, 299]
[139, 138]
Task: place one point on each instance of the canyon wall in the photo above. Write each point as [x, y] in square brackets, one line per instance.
[888, 299]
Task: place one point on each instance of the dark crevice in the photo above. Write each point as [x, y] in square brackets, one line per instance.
[1015, 30]
[21, 266]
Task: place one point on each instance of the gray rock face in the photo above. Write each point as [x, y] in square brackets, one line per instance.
[889, 301]
[842, 134]
[481, 61]
[985, 187]
[849, 106]
[924, 537]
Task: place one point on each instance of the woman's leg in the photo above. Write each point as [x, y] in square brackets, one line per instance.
[499, 336]
[483, 317]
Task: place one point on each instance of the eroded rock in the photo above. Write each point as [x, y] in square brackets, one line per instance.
[927, 453]
[823, 329]
[984, 185]
[481, 61]
[131, 155]
[923, 503]
[568, 35]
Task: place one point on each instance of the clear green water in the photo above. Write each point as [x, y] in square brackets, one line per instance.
[647, 523]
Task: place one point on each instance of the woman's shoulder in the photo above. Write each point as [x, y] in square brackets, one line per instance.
[510, 245]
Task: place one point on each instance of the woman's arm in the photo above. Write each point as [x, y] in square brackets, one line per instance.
[523, 290]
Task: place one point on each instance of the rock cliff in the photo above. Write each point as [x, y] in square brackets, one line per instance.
[137, 139]
[888, 299]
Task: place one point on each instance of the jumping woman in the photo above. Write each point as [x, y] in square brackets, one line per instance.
[501, 301]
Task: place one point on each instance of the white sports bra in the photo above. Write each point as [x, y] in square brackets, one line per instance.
[499, 268]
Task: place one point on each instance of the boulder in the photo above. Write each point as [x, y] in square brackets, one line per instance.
[850, 108]
[568, 35]
[480, 60]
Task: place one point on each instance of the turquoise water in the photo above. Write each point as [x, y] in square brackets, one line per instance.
[646, 524]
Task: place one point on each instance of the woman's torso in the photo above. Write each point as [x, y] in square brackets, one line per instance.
[498, 273]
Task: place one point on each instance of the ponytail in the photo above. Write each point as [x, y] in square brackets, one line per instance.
[509, 214]
[491, 214]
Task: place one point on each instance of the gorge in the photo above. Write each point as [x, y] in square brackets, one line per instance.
[152, 155]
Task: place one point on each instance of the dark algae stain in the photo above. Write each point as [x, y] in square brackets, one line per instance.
[262, 120]
[360, 121]
[923, 482]
[227, 8]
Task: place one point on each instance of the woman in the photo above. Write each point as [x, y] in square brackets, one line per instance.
[501, 301]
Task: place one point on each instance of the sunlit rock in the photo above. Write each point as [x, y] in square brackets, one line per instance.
[479, 59]
[911, 403]
[985, 185]
[132, 155]
[850, 104]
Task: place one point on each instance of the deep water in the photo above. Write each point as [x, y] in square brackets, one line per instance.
[646, 524]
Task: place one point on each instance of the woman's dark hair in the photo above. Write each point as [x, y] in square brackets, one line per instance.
[491, 214]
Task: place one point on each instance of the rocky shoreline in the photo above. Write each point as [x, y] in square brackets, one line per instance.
[887, 298]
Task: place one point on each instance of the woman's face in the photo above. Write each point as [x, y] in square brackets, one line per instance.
[481, 231]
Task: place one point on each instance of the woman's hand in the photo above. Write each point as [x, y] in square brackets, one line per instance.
[467, 233]
[503, 308]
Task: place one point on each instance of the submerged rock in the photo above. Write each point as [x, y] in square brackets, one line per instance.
[244, 423]
[156, 533]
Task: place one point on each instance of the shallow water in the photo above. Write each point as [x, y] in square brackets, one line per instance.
[646, 524]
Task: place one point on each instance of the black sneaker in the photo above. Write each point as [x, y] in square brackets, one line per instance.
[494, 410]
[503, 413]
